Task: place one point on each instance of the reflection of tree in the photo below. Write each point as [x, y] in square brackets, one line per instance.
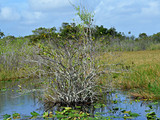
[13, 101]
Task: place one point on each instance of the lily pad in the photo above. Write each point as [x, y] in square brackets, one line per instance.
[124, 111]
[151, 115]
[6, 116]
[133, 114]
[34, 114]
[16, 116]
[148, 110]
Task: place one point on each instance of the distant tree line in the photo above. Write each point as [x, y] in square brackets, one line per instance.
[1, 34]
[71, 31]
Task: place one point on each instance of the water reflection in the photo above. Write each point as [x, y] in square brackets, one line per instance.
[121, 101]
[11, 101]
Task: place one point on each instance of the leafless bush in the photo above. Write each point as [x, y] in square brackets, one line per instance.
[75, 67]
[76, 73]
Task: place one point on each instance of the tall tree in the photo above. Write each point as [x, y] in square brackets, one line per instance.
[142, 35]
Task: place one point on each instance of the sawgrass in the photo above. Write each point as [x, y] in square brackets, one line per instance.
[143, 77]
[12, 57]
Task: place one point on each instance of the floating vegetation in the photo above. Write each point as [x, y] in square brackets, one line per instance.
[16, 116]
[117, 106]
[34, 114]
[3, 89]
[6, 117]
[152, 116]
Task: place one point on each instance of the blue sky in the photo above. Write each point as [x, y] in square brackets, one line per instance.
[20, 17]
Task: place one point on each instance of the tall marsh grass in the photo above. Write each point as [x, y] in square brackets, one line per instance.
[132, 45]
[12, 58]
[144, 77]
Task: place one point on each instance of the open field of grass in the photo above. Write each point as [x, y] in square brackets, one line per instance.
[143, 76]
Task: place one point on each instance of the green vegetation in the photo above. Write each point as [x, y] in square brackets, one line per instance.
[143, 77]
[17, 54]
[76, 74]
[71, 114]
[68, 113]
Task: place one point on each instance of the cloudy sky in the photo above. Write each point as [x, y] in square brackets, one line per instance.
[20, 17]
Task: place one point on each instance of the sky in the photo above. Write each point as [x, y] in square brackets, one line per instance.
[20, 17]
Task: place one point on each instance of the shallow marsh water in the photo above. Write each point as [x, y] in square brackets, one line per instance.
[11, 101]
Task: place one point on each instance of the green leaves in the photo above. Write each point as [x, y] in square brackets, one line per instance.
[85, 16]
[133, 114]
[129, 114]
[3, 89]
[1, 34]
[151, 116]
[6, 117]
[34, 114]
[48, 115]
[16, 116]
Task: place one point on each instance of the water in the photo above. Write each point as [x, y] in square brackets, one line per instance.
[124, 102]
[11, 101]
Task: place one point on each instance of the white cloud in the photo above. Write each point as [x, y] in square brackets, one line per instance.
[128, 8]
[152, 9]
[44, 5]
[116, 7]
[9, 14]
[125, 15]
[30, 17]
[134, 15]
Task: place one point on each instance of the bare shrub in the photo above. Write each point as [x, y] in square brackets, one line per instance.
[75, 67]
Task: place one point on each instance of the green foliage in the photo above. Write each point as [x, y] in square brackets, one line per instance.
[1, 35]
[3, 89]
[12, 54]
[144, 77]
[69, 31]
[133, 114]
[151, 116]
[41, 30]
[16, 116]
[34, 113]
[6, 117]
[43, 34]
[70, 114]
[156, 37]
[117, 44]
[9, 37]
[142, 35]
[85, 16]
[154, 46]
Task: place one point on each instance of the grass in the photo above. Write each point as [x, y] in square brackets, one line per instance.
[12, 58]
[143, 79]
